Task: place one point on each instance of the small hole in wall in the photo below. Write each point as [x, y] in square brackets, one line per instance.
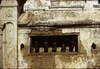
[93, 46]
[22, 46]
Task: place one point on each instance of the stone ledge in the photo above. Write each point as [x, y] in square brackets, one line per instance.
[59, 17]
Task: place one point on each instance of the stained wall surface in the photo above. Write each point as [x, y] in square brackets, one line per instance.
[0, 48]
[87, 19]
[85, 58]
[59, 13]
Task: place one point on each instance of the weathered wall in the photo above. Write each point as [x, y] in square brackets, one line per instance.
[9, 48]
[46, 4]
[0, 43]
[88, 36]
[67, 3]
[61, 3]
[85, 58]
[24, 38]
[0, 48]
[59, 17]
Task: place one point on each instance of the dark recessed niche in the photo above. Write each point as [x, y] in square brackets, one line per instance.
[62, 41]
[98, 1]
[93, 46]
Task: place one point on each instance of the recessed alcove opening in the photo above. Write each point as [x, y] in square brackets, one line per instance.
[98, 1]
[60, 41]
